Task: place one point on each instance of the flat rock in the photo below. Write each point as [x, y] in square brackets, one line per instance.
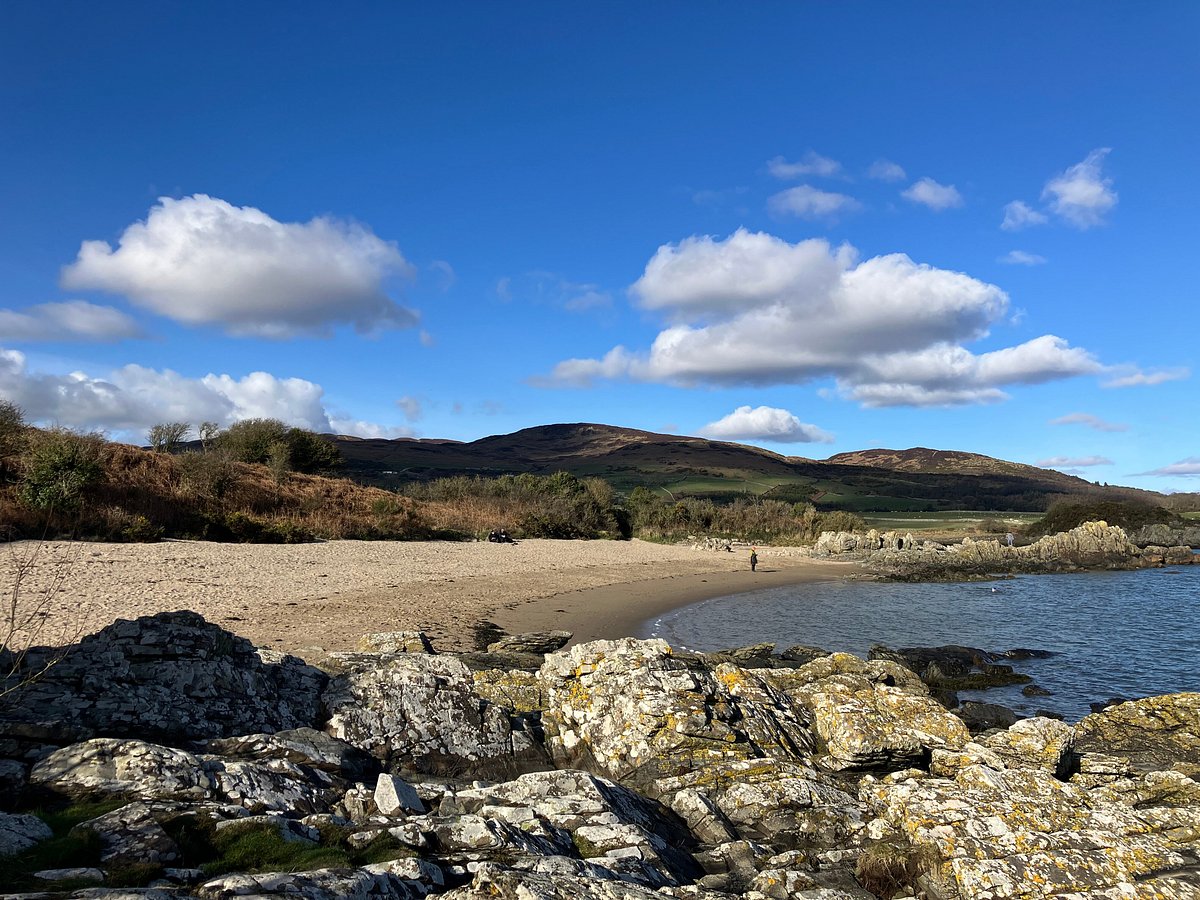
[1152, 733]
[536, 642]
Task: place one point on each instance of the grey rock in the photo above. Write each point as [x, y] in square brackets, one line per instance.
[397, 880]
[74, 874]
[535, 642]
[171, 677]
[395, 642]
[131, 834]
[20, 832]
[393, 794]
[130, 769]
[290, 830]
[303, 746]
[1152, 733]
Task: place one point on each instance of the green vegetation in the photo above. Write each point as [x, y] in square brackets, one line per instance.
[890, 868]
[281, 447]
[62, 851]
[655, 517]
[1128, 514]
[60, 465]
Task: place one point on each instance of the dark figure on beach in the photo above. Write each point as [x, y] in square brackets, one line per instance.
[753, 560]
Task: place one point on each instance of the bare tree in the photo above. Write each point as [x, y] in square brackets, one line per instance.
[165, 437]
[33, 579]
[209, 432]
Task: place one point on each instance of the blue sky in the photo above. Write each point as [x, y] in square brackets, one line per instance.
[811, 227]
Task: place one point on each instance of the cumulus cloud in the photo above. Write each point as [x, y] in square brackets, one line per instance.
[809, 202]
[1189, 468]
[1138, 378]
[71, 320]
[132, 398]
[886, 170]
[810, 164]
[937, 197]
[1082, 194]
[1074, 462]
[765, 423]
[202, 261]
[1021, 258]
[755, 309]
[1081, 418]
[1019, 214]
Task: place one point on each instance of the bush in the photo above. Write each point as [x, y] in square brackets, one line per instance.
[208, 475]
[1063, 515]
[12, 433]
[255, 440]
[60, 466]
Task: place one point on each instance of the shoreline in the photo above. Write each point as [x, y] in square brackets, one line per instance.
[620, 610]
[312, 599]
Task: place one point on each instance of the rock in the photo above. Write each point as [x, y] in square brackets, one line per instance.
[393, 794]
[401, 879]
[290, 830]
[304, 746]
[172, 677]
[1153, 733]
[395, 642]
[535, 642]
[802, 654]
[498, 883]
[634, 712]
[1163, 535]
[14, 775]
[128, 769]
[275, 785]
[76, 874]
[20, 832]
[980, 717]
[131, 835]
[1037, 743]
[420, 713]
[752, 656]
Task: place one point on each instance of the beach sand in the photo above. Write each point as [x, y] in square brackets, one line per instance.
[309, 599]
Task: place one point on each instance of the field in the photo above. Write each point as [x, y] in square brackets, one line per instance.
[957, 522]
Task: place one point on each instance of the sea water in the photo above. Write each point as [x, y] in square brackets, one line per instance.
[1112, 634]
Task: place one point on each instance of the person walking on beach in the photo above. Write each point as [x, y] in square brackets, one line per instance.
[753, 559]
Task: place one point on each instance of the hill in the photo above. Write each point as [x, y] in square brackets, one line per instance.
[869, 480]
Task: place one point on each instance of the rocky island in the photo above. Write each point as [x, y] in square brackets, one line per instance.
[200, 766]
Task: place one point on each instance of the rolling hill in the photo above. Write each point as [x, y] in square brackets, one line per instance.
[868, 480]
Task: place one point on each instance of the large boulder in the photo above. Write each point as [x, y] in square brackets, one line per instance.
[1153, 733]
[172, 678]
[420, 713]
[129, 770]
[635, 712]
[20, 832]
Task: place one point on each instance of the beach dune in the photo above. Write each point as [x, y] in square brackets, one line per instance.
[308, 599]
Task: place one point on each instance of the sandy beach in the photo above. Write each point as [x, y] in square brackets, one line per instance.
[308, 599]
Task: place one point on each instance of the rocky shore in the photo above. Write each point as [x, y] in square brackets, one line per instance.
[613, 769]
[1093, 545]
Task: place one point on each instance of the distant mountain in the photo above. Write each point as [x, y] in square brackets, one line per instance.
[916, 479]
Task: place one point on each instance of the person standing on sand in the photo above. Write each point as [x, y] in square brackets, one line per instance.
[753, 559]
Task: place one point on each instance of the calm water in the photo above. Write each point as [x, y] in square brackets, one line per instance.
[1128, 634]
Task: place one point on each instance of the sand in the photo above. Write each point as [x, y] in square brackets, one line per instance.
[309, 599]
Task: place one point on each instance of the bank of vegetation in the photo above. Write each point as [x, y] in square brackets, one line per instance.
[263, 481]
[1063, 515]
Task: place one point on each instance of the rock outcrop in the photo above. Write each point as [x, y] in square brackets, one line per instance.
[1093, 545]
[623, 771]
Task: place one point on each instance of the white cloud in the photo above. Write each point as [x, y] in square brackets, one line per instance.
[411, 407]
[1018, 215]
[809, 202]
[446, 276]
[202, 261]
[886, 170]
[1074, 462]
[755, 309]
[937, 197]
[765, 423]
[71, 320]
[132, 398]
[1082, 194]
[810, 164]
[359, 428]
[1138, 378]
[1081, 418]
[1021, 258]
[1189, 467]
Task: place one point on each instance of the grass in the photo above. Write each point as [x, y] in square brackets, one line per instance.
[946, 521]
[62, 851]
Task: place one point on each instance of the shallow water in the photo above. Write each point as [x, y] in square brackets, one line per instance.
[1113, 634]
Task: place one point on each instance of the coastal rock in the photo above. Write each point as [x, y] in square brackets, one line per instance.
[387, 642]
[420, 713]
[303, 746]
[1037, 743]
[20, 832]
[131, 770]
[393, 794]
[401, 879]
[1163, 535]
[1153, 733]
[172, 677]
[634, 712]
[536, 642]
[131, 835]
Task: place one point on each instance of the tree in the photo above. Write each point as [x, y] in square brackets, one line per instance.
[165, 437]
[12, 433]
[251, 441]
[208, 432]
[61, 465]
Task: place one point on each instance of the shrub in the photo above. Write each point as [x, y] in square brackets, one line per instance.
[12, 432]
[60, 466]
[1063, 515]
[208, 475]
[252, 440]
